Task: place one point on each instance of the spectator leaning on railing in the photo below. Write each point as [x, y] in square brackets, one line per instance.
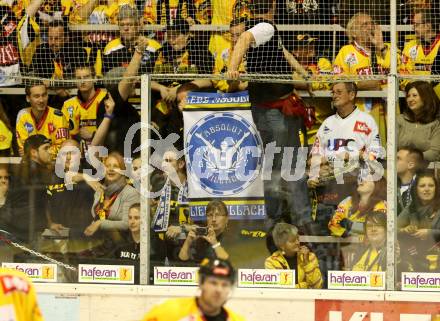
[276, 113]
[119, 51]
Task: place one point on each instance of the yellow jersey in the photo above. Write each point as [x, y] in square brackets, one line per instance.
[354, 60]
[52, 124]
[345, 211]
[18, 301]
[182, 309]
[416, 59]
[81, 114]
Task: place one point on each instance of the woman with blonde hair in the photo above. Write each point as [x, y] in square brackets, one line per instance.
[292, 255]
[110, 206]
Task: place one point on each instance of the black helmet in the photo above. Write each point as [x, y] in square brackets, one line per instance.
[218, 268]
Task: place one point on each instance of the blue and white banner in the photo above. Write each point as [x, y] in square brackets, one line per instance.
[224, 155]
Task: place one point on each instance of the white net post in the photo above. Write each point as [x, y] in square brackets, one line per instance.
[145, 181]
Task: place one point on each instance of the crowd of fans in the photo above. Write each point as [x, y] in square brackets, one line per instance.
[56, 201]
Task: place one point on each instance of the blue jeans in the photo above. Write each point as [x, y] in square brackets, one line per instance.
[274, 126]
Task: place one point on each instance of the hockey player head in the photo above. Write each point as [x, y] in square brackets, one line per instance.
[216, 278]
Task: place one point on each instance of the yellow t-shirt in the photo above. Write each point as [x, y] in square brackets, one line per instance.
[52, 124]
[81, 114]
[182, 309]
[18, 301]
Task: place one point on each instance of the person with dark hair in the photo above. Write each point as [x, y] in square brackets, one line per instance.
[419, 223]
[57, 58]
[130, 250]
[419, 125]
[39, 118]
[276, 112]
[418, 54]
[170, 221]
[349, 217]
[291, 255]
[409, 161]
[216, 279]
[183, 52]
[372, 257]
[203, 241]
[29, 196]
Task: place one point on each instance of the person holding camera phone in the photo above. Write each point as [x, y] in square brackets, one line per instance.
[204, 242]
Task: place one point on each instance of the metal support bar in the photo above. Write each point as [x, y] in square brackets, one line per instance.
[393, 87]
[145, 180]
